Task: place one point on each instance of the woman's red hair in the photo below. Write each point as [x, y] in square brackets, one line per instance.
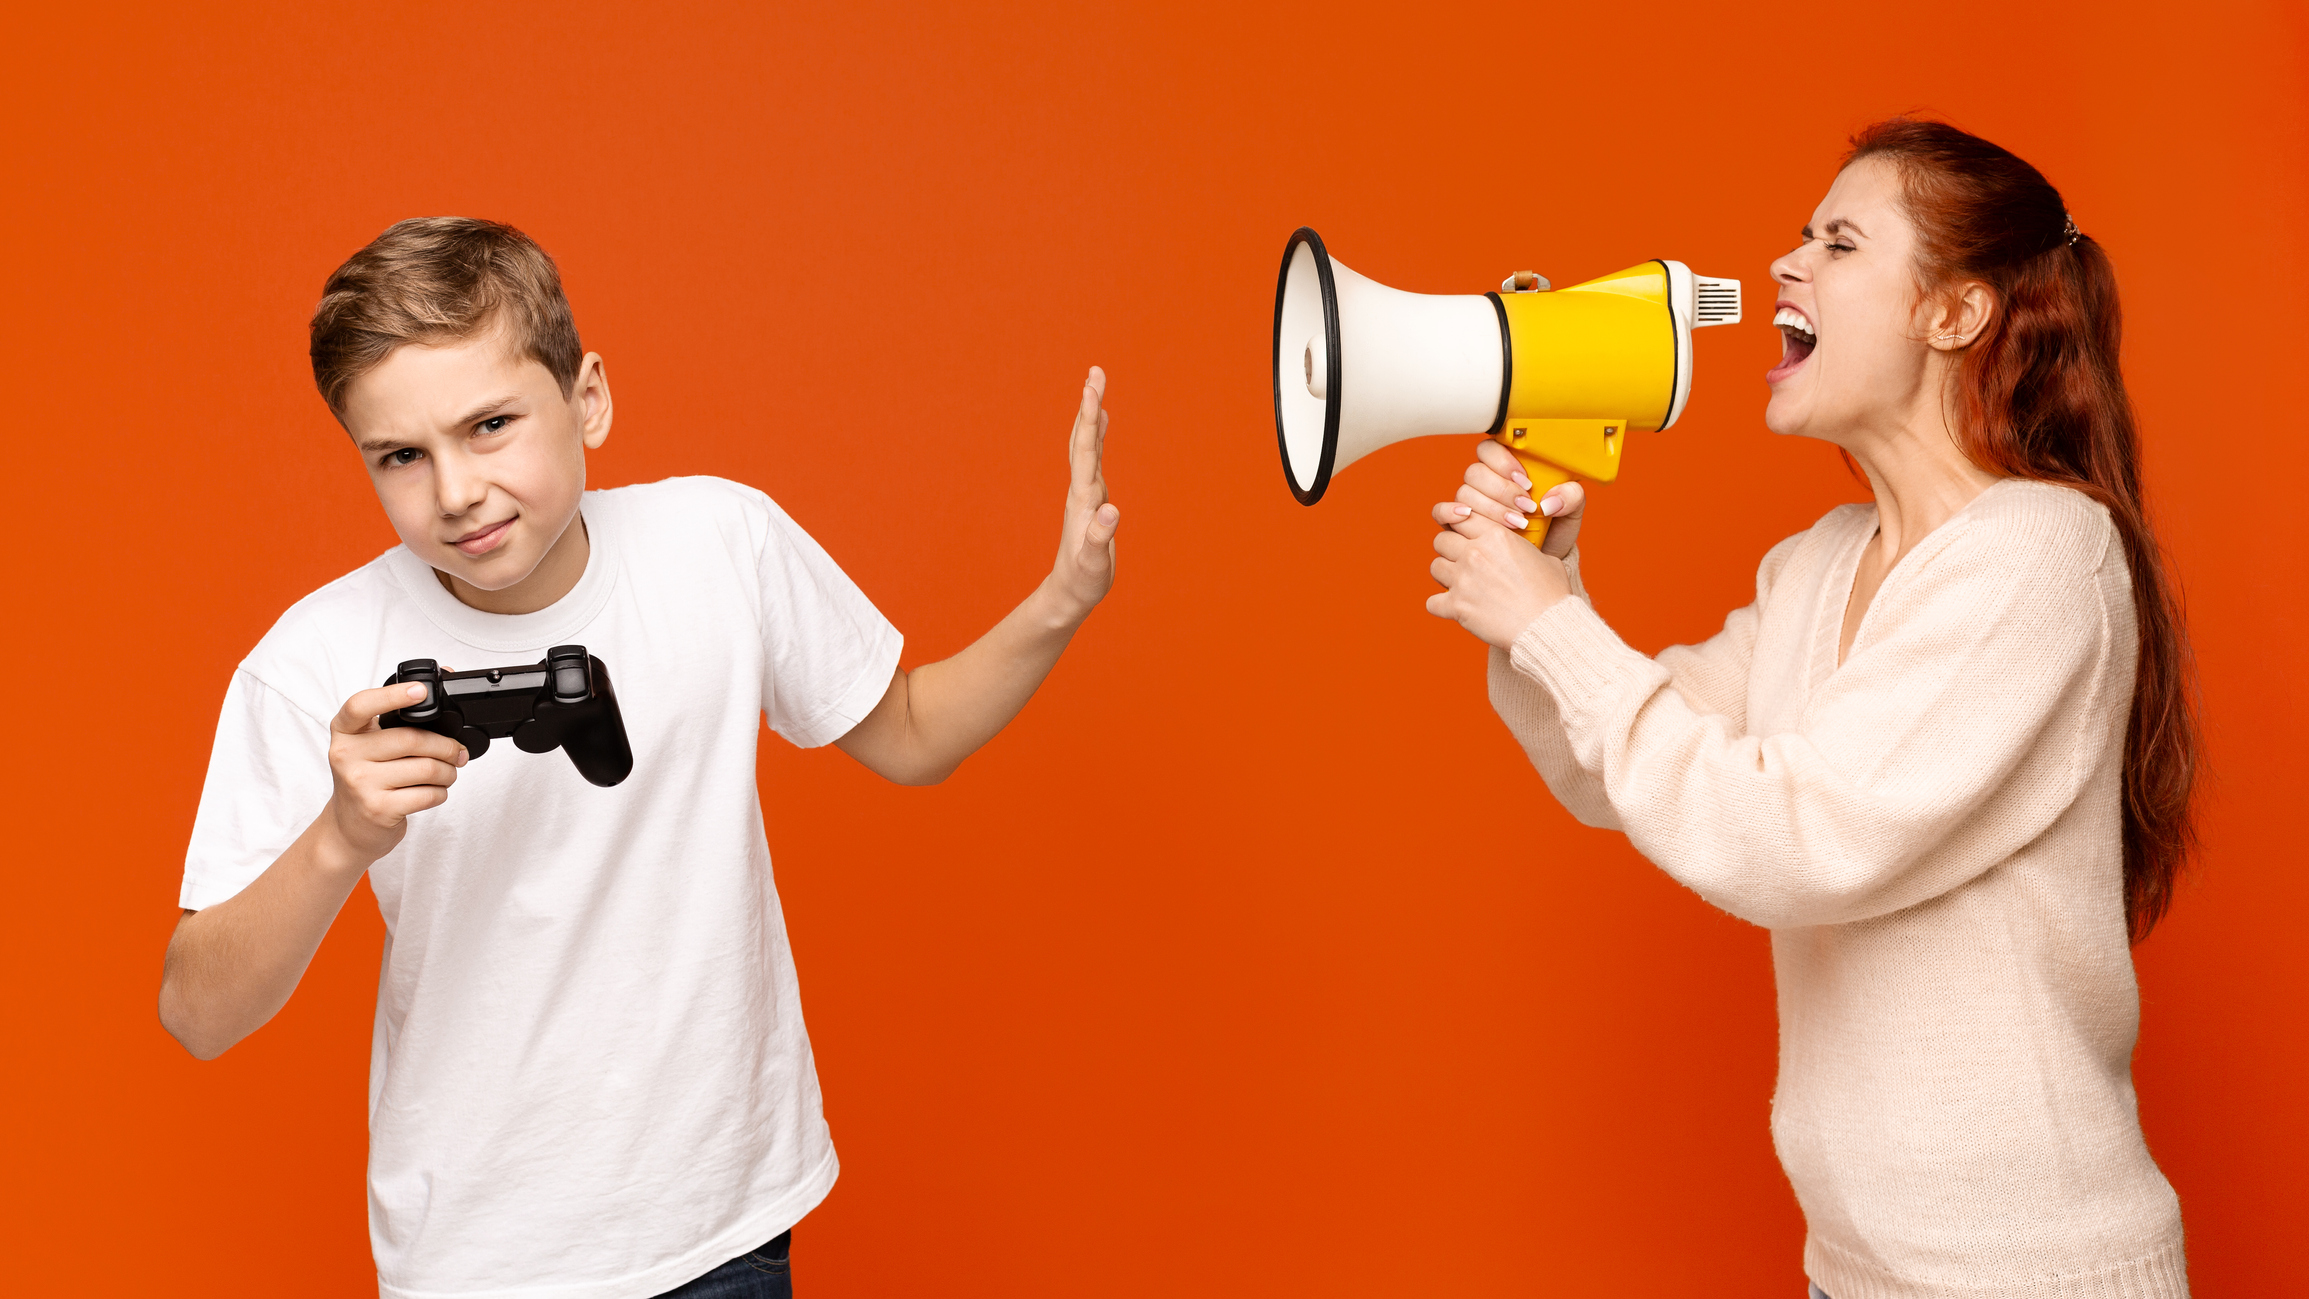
[2041, 397]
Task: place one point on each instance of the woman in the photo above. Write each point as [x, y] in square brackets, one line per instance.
[1945, 756]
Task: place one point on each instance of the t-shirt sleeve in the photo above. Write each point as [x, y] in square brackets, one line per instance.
[828, 653]
[268, 777]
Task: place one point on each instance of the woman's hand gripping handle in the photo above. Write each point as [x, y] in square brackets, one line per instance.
[1493, 583]
[1522, 494]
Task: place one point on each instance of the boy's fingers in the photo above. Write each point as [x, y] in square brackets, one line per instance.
[401, 804]
[1083, 449]
[367, 705]
[1103, 522]
[404, 742]
[407, 773]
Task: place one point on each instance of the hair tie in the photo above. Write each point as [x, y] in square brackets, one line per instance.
[2068, 226]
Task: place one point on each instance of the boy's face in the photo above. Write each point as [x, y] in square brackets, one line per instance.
[479, 461]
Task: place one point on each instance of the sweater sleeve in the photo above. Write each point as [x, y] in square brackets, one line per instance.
[1938, 748]
[1712, 676]
[1532, 718]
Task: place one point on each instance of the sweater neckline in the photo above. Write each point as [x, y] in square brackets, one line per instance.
[1836, 599]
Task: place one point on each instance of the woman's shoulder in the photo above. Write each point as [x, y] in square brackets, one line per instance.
[2019, 523]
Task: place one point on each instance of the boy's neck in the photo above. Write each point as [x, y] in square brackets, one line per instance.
[554, 577]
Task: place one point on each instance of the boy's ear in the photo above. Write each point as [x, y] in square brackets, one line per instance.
[591, 396]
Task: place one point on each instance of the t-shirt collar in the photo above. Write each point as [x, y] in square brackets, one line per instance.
[558, 623]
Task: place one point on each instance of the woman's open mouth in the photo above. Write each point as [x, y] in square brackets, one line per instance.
[1797, 339]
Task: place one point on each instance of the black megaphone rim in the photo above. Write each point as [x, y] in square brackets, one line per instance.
[1332, 368]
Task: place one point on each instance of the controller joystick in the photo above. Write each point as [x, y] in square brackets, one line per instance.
[565, 702]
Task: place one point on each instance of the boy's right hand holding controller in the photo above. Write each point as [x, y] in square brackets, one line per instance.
[232, 966]
[383, 777]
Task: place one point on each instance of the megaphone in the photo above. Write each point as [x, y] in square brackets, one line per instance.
[1561, 376]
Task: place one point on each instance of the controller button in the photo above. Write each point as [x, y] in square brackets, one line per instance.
[569, 683]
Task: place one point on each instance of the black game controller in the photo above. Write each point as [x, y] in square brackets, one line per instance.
[563, 703]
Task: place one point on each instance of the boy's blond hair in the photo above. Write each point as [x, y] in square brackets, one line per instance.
[440, 280]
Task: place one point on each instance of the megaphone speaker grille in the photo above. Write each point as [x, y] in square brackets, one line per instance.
[1306, 310]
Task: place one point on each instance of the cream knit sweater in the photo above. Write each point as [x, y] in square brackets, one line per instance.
[1931, 831]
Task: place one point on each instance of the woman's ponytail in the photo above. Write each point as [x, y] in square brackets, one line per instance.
[2041, 396]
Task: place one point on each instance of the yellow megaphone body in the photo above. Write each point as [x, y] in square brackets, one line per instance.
[1561, 376]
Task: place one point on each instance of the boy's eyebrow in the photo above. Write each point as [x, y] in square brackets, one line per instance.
[485, 410]
[494, 406]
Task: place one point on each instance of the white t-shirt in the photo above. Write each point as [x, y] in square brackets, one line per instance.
[590, 1078]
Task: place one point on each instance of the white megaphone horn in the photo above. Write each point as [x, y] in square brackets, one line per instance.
[1558, 375]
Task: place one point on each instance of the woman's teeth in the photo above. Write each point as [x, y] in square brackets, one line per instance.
[1797, 340]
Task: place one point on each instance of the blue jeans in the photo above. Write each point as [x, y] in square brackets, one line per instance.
[764, 1274]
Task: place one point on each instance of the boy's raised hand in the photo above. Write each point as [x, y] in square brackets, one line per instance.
[1085, 568]
[384, 776]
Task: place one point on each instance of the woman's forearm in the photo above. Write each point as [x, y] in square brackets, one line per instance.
[232, 966]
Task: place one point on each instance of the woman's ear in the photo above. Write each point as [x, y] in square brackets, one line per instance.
[1961, 317]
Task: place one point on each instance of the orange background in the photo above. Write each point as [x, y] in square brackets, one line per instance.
[1252, 959]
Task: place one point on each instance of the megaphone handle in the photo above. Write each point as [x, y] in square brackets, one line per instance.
[1543, 474]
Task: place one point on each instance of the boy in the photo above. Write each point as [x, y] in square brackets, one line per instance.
[589, 1077]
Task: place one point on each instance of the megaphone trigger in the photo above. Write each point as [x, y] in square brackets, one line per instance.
[1555, 451]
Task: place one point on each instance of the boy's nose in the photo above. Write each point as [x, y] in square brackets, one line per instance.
[457, 487]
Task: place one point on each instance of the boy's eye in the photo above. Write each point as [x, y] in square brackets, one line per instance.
[403, 456]
[495, 423]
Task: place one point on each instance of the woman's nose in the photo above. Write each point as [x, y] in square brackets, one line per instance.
[1788, 267]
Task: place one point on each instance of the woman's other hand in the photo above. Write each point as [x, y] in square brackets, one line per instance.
[1494, 582]
[1497, 489]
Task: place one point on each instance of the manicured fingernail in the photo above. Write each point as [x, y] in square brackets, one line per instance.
[1515, 521]
[1462, 511]
[1550, 505]
[1522, 481]
[1524, 503]
[416, 692]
